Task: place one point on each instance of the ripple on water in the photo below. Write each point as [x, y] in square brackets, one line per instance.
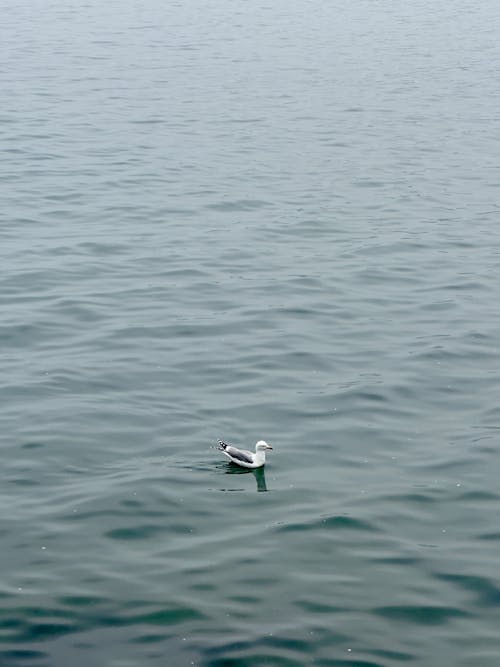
[485, 590]
[258, 651]
[81, 600]
[238, 205]
[493, 536]
[334, 523]
[398, 656]
[316, 607]
[22, 657]
[420, 614]
[354, 662]
[142, 532]
[26, 625]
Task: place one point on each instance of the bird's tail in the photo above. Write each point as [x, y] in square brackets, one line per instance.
[222, 445]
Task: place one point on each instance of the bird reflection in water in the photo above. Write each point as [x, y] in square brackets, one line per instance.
[258, 473]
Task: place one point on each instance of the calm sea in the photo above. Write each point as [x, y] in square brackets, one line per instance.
[274, 220]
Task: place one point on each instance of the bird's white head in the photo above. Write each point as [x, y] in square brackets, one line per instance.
[261, 446]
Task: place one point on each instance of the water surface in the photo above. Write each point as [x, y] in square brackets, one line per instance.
[245, 221]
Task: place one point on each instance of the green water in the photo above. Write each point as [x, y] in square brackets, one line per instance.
[279, 222]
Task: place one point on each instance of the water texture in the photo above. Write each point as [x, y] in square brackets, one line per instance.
[237, 220]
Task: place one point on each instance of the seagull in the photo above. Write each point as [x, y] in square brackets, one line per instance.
[243, 457]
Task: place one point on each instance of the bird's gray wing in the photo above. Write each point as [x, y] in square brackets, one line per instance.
[239, 454]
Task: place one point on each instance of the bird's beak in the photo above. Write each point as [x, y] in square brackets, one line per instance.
[269, 447]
